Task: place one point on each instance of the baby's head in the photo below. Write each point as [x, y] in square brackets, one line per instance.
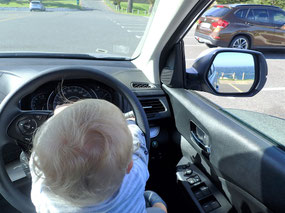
[83, 152]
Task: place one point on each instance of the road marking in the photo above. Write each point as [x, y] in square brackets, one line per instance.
[135, 31]
[7, 19]
[138, 36]
[134, 24]
[237, 89]
[274, 89]
[134, 27]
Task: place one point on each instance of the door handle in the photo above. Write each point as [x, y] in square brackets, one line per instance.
[249, 24]
[199, 137]
[200, 143]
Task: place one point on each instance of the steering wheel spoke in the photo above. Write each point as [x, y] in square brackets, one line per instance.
[25, 123]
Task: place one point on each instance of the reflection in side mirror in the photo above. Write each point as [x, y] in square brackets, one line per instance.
[232, 72]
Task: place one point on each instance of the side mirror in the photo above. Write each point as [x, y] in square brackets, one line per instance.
[228, 72]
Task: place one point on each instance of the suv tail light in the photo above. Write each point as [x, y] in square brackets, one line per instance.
[220, 23]
[199, 21]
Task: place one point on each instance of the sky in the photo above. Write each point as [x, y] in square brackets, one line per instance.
[234, 59]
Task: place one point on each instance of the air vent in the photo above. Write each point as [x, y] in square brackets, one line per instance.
[142, 85]
[152, 106]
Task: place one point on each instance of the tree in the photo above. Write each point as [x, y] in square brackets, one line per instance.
[151, 3]
[278, 3]
[130, 6]
[231, 1]
[118, 3]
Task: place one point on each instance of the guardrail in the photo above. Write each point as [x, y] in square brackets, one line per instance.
[234, 76]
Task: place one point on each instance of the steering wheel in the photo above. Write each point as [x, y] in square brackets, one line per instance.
[18, 126]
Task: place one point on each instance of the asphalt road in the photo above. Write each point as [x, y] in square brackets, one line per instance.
[95, 30]
[100, 30]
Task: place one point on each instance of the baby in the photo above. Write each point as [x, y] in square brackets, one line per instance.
[86, 158]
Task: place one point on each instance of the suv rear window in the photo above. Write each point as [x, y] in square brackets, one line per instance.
[217, 11]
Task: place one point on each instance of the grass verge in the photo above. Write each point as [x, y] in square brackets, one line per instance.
[139, 9]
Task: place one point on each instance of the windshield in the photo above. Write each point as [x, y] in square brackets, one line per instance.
[98, 28]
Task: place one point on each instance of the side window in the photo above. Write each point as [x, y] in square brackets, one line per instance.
[264, 112]
[241, 13]
[250, 16]
[277, 17]
[261, 15]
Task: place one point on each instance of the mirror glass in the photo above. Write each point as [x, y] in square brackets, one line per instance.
[232, 72]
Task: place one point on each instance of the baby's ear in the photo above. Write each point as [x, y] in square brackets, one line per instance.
[130, 166]
[59, 108]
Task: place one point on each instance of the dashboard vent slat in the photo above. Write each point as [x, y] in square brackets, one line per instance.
[142, 85]
[152, 106]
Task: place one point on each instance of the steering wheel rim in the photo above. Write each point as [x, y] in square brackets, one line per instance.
[9, 110]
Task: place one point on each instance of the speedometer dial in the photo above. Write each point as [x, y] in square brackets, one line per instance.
[70, 94]
[39, 102]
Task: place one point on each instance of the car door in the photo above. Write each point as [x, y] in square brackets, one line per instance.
[242, 162]
[240, 152]
[278, 19]
[261, 28]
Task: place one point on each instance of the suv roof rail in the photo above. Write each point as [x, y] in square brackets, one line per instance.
[251, 5]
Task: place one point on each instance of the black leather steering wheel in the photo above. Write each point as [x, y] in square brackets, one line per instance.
[13, 120]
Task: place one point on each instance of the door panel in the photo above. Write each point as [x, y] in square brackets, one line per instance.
[261, 28]
[238, 155]
[278, 20]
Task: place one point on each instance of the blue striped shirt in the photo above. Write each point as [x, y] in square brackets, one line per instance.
[129, 198]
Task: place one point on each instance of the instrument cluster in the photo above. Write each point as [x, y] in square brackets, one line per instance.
[52, 94]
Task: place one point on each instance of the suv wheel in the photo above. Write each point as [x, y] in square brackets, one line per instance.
[240, 42]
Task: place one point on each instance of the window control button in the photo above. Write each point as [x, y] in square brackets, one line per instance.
[191, 181]
[207, 207]
[215, 205]
[199, 195]
[196, 178]
[205, 190]
[188, 172]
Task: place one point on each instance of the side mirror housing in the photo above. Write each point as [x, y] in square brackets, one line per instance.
[228, 72]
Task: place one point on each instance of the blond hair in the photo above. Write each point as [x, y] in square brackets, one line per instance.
[83, 152]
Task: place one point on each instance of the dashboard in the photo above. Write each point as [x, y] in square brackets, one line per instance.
[43, 98]
[55, 93]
